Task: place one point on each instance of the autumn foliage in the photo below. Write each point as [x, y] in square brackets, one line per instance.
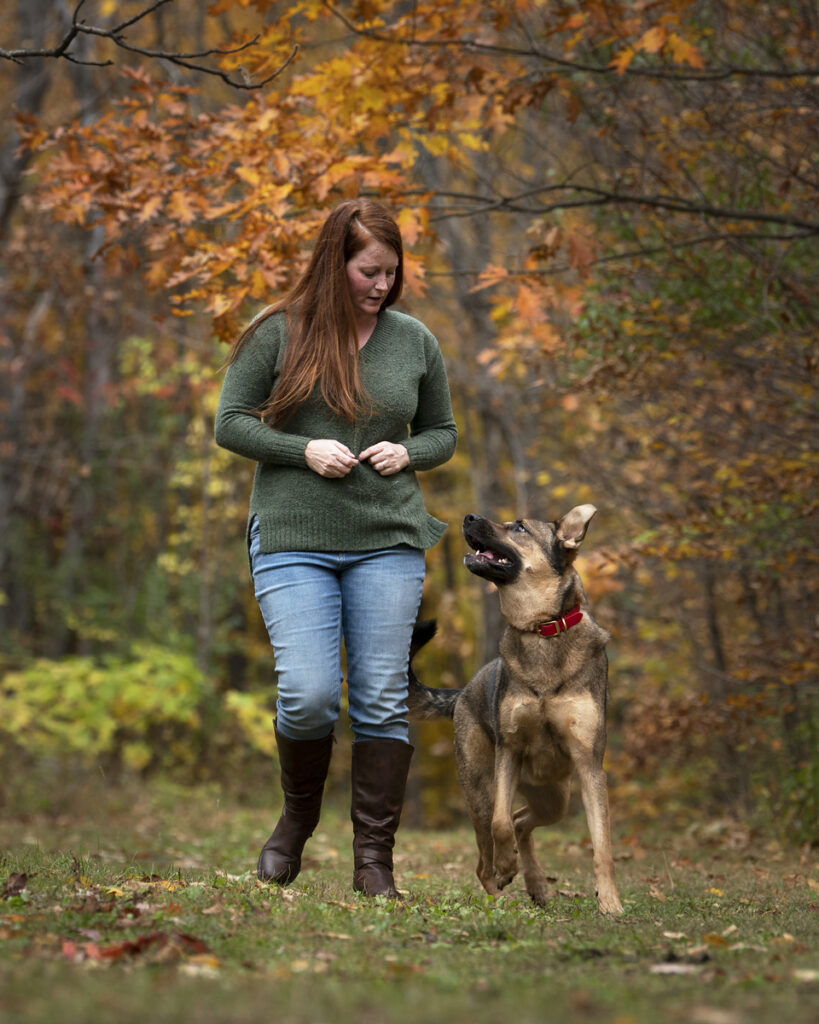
[611, 217]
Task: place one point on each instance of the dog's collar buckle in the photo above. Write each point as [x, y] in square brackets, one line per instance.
[555, 626]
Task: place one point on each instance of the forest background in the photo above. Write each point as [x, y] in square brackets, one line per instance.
[610, 211]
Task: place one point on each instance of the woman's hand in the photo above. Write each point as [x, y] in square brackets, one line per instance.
[329, 458]
[386, 458]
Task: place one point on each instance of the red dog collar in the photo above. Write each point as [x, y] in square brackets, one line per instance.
[560, 625]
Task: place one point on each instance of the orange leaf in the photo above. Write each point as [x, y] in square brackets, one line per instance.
[411, 225]
[573, 107]
[149, 208]
[490, 276]
[683, 52]
[180, 206]
[623, 59]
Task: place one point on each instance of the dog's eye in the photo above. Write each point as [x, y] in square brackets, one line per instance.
[518, 527]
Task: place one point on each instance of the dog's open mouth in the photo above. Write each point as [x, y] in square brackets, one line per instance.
[488, 555]
[490, 559]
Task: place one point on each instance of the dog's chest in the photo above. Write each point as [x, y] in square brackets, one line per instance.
[531, 729]
[546, 733]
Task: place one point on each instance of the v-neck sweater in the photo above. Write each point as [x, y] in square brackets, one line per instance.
[402, 371]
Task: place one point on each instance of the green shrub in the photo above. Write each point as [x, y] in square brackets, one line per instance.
[140, 712]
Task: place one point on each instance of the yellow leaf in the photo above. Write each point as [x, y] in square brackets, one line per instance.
[438, 145]
[653, 40]
[205, 960]
[470, 141]
[248, 174]
[219, 304]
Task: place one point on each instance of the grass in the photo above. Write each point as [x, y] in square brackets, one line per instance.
[145, 906]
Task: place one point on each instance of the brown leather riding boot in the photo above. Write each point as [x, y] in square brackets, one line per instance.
[304, 765]
[379, 777]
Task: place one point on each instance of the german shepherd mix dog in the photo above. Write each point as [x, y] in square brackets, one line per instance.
[534, 715]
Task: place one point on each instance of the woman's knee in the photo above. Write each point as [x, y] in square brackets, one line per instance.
[307, 712]
[306, 721]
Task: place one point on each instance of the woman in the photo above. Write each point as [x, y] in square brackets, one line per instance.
[339, 399]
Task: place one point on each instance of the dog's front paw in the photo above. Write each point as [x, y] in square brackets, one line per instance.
[609, 903]
[538, 894]
[506, 867]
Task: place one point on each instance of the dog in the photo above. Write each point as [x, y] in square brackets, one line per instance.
[536, 714]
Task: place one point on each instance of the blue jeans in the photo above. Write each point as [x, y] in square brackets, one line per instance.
[309, 602]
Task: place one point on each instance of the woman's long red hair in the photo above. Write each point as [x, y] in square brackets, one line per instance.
[322, 344]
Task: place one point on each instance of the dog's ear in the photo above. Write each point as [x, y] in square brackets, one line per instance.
[571, 529]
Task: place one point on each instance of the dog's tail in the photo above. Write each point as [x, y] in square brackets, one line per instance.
[425, 702]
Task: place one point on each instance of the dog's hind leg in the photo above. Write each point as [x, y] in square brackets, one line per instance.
[545, 805]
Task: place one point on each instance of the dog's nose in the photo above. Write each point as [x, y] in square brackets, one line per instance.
[470, 518]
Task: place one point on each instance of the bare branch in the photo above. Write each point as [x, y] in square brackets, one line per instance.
[580, 196]
[137, 17]
[116, 36]
[546, 57]
[643, 251]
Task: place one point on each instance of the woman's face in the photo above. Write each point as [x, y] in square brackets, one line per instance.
[370, 275]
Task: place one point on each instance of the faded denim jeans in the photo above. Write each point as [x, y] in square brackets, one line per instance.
[310, 602]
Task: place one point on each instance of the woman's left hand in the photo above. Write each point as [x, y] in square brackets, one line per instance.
[386, 458]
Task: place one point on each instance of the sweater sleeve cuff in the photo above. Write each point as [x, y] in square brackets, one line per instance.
[431, 448]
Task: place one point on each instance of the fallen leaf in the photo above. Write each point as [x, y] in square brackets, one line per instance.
[697, 954]
[674, 968]
[166, 945]
[205, 960]
[714, 1015]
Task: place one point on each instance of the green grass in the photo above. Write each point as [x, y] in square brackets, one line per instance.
[145, 907]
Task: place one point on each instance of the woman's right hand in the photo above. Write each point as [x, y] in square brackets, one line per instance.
[329, 458]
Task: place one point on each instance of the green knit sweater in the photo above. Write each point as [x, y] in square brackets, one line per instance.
[402, 371]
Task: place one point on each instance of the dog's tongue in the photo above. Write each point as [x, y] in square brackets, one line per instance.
[490, 556]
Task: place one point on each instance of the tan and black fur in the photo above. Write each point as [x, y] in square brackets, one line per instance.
[536, 714]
